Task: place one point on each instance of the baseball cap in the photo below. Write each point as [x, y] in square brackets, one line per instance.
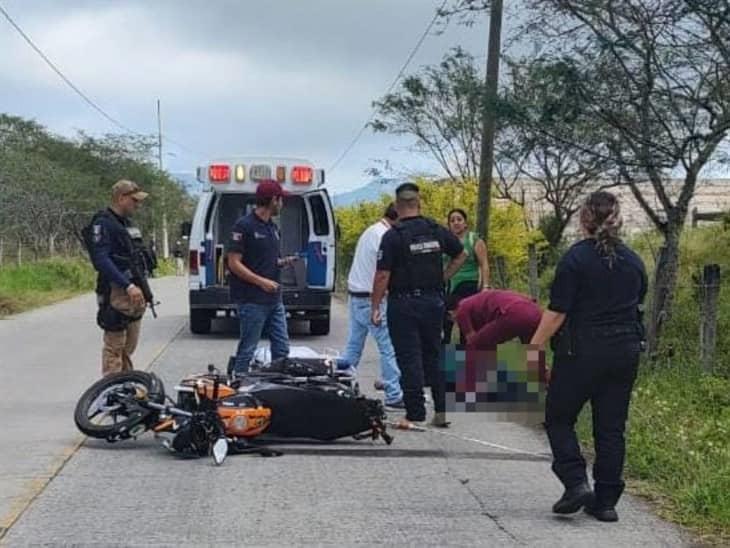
[128, 188]
[270, 189]
[407, 191]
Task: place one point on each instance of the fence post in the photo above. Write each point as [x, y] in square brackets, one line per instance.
[532, 272]
[709, 296]
[501, 271]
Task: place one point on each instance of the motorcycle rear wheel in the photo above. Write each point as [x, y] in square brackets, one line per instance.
[98, 417]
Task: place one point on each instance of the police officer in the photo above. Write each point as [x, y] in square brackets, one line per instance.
[410, 268]
[116, 252]
[594, 313]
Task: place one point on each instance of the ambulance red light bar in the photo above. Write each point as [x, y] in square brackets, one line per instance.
[219, 173]
[301, 175]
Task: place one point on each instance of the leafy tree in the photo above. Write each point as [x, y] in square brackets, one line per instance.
[652, 80]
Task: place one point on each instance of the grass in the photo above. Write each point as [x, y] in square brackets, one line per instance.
[47, 281]
[678, 441]
[678, 447]
[43, 282]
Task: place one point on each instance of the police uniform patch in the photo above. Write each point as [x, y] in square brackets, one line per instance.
[236, 236]
[97, 233]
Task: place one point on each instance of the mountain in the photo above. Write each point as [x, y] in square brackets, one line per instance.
[368, 193]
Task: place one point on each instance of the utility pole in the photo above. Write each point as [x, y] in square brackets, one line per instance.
[165, 239]
[489, 120]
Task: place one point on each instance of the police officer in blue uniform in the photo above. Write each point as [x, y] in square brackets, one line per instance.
[117, 253]
[410, 268]
[595, 323]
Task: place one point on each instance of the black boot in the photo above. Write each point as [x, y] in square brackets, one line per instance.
[574, 499]
[601, 513]
[603, 506]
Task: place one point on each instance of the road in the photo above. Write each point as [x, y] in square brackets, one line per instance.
[482, 483]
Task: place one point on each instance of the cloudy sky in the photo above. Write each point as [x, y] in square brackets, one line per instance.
[274, 77]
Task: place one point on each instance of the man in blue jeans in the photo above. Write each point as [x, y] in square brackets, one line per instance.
[253, 256]
[359, 286]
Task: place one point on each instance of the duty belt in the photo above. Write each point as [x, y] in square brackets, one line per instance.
[409, 293]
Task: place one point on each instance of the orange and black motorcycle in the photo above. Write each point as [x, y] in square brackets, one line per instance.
[289, 398]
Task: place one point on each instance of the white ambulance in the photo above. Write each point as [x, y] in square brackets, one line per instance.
[307, 227]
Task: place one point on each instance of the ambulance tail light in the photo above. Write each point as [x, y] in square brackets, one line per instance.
[219, 173]
[193, 262]
[301, 175]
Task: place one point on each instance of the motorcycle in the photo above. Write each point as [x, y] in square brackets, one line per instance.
[215, 415]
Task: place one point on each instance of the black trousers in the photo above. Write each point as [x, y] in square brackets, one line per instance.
[606, 380]
[414, 324]
[456, 295]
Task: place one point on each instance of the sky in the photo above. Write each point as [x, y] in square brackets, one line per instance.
[276, 77]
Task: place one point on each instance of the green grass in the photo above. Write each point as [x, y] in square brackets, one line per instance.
[48, 281]
[678, 447]
[43, 282]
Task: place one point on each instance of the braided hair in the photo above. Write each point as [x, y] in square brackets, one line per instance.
[601, 218]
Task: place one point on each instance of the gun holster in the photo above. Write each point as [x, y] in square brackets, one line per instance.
[109, 318]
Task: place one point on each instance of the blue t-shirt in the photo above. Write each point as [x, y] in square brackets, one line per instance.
[258, 242]
[593, 294]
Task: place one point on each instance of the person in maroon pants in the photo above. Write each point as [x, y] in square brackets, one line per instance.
[487, 319]
[495, 316]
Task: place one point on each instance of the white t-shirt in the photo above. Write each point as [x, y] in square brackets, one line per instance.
[362, 271]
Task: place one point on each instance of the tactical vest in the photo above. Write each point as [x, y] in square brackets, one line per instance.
[421, 267]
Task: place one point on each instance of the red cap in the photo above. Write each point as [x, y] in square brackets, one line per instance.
[270, 189]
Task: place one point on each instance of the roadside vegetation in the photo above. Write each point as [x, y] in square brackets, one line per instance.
[678, 453]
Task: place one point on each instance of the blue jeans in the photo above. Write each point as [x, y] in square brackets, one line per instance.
[258, 319]
[360, 326]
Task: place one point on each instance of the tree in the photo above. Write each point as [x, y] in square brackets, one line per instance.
[52, 185]
[542, 121]
[441, 109]
[653, 79]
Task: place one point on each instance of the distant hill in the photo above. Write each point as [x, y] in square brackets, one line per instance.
[368, 193]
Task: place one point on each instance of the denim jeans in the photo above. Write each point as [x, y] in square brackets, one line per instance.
[360, 326]
[258, 319]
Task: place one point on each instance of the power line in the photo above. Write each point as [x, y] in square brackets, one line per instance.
[392, 85]
[75, 88]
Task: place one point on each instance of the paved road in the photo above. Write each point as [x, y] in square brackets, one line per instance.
[483, 483]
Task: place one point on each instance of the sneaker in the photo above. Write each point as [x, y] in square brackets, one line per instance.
[397, 405]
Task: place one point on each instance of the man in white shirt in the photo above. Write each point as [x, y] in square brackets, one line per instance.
[359, 287]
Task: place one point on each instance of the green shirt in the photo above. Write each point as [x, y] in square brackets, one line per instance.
[469, 271]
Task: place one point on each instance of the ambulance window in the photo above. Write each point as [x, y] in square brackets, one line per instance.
[319, 216]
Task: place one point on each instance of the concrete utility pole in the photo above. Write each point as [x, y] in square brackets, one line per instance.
[489, 120]
[165, 239]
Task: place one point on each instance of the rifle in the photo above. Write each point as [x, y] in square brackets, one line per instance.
[140, 278]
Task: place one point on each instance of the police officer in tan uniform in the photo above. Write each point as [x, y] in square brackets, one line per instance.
[115, 249]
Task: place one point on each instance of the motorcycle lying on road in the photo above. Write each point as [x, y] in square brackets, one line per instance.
[214, 415]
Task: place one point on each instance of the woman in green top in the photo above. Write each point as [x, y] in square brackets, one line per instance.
[472, 277]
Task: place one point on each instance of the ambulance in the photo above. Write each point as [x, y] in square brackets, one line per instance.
[307, 227]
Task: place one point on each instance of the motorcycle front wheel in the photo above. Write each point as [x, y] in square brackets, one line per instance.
[101, 412]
